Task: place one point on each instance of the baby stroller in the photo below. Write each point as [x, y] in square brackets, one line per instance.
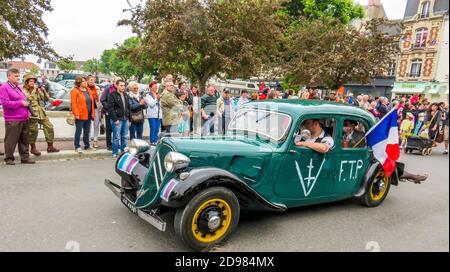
[421, 144]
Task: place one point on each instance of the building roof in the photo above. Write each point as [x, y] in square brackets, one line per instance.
[25, 65]
[412, 7]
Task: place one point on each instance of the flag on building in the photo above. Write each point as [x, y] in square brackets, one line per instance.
[384, 140]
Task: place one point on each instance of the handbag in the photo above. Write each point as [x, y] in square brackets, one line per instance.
[137, 117]
[70, 119]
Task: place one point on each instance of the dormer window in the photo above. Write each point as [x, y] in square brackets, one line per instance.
[425, 11]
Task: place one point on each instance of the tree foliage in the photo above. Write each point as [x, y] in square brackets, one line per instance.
[321, 53]
[124, 61]
[92, 66]
[66, 64]
[201, 39]
[341, 10]
[22, 29]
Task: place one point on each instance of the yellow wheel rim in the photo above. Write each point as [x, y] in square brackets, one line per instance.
[215, 234]
[377, 196]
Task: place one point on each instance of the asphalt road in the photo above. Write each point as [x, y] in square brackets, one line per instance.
[64, 206]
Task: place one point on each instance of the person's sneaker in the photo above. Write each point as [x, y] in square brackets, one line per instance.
[114, 156]
[95, 145]
[10, 162]
[79, 151]
[89, 149]
[445, 152]
[109, 148]
[27, 161]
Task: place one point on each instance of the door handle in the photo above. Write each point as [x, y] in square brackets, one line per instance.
[295, 152]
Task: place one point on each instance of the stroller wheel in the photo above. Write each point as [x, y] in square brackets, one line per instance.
[429, 151]
[424, 152]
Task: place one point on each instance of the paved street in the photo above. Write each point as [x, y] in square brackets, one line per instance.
[46, 206]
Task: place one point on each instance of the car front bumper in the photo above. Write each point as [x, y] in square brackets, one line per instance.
[149, 217]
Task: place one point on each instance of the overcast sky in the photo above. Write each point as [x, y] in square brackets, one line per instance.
[84, 28]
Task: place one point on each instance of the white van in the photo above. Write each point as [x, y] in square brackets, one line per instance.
[236, 86]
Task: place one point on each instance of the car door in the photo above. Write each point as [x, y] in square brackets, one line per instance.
[352, 162]
[306, 174]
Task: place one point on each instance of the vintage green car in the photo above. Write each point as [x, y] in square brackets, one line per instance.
[257, 165]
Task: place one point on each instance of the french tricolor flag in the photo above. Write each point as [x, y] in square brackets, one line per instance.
[384, 140]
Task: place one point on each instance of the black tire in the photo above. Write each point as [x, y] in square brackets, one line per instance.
[185, 217]
[371, 198]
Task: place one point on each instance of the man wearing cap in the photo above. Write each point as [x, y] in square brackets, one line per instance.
[16, 114]
[225, 110]
[37, 96]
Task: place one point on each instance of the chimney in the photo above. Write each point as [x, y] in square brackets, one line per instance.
[374, 2]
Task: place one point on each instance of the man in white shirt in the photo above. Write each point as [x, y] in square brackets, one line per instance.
[319, 141]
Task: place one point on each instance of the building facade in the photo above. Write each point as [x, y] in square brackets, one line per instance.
[422, 50]
[382, 84]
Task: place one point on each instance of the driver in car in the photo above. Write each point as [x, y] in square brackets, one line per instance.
[319, 140]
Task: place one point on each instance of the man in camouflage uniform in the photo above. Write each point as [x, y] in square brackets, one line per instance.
[36, 97]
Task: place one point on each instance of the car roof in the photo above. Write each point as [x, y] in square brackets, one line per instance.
[296, 108]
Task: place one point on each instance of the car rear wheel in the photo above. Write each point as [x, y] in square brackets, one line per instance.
[208, 219]
[377, 189]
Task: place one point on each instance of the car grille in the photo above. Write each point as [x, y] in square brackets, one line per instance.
[155, 178]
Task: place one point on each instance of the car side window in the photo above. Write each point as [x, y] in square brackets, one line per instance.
[353, 134]
[309, 128]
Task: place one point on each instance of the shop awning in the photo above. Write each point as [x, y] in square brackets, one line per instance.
[407, 91]
[433, 91]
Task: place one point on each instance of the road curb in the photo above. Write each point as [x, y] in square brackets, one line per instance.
[69, 155]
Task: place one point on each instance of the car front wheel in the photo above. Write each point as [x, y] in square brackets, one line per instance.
[208, 219]
[377, 189]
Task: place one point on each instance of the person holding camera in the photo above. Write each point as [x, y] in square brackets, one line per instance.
[137, 106]
[16, 114]
[37, 96]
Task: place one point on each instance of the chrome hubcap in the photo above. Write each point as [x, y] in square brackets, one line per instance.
[214, 222]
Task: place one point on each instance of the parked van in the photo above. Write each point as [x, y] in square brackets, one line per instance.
[236, 86]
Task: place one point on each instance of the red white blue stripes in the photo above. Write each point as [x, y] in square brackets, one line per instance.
[127, 163]
[384, 140]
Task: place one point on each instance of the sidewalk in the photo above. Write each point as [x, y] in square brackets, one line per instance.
[63, 131]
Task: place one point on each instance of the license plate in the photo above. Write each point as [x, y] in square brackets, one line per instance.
[127, 163]
[129, 204]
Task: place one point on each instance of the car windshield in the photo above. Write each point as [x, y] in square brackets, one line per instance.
[269, 123]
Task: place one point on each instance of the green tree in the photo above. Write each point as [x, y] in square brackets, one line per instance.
[321, 53]
[342, 10]
[23, 31]
[92, 66]
[200, 39]
[35, 71]
[113, 62]
[66, 64]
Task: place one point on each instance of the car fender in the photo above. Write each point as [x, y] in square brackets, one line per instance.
[202, 178]
[373, 166]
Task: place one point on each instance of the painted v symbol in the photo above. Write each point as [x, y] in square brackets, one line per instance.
[310, 186]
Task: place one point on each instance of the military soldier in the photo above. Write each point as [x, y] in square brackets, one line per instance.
[36, 97]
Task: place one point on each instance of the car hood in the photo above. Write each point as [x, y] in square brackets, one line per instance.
[242, 156]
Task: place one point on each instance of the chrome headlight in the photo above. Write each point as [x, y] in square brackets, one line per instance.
[175, 161]
[138, 146]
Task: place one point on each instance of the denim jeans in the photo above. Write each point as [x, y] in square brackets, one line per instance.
[85, 126]
[120, 133]
[209, 126]
[154, 124]
[136, 130]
